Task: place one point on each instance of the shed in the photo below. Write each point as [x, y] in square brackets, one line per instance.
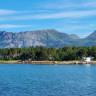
[87, 59]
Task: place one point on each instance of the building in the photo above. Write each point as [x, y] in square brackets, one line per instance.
[87, 59]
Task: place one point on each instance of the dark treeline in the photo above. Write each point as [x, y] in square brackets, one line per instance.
[43, 53]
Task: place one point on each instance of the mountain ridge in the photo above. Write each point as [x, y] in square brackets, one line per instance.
[46, 37]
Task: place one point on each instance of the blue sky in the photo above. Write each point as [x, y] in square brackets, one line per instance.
[68, 16]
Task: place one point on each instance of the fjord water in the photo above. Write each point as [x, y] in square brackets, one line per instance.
[47, 80]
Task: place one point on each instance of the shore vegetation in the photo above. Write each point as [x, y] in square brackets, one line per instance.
[41, 53]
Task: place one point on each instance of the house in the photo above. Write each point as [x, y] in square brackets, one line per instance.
[87, 59]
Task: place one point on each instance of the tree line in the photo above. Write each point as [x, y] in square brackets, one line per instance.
[44, 53]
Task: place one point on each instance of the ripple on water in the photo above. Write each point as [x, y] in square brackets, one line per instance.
[47, 80]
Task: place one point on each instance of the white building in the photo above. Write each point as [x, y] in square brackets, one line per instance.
[87, 59]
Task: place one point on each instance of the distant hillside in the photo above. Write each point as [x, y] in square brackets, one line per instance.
[48, 38]
[89, 40]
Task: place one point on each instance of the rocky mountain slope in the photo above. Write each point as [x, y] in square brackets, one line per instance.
[48, 38]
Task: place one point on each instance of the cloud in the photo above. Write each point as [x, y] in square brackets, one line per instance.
[89, 4]
[71, 14]
[11, 12]
[70, 4]
[14, 26]
[80, 30]
[37, 11]
[7, 12]
[71, 28]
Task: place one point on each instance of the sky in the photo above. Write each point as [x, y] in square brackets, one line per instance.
[67, 16]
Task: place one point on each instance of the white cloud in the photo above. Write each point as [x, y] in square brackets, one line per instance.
[89, 4]
[37, 11]
[72, 14]
[70, 4]
[14, 26]
[80, 30]
[7, 12]
[10, 12]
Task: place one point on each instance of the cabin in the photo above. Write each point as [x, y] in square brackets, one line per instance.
[87, 59]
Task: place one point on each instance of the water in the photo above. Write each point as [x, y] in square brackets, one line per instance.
[47, 80]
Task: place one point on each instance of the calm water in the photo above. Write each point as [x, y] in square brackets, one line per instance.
[47, 80]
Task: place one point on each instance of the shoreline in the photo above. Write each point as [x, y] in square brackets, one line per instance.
[50, 62]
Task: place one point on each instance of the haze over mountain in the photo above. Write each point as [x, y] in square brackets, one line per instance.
[48, 38]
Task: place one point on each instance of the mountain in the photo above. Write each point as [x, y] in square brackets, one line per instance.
[91, 36]
[48, 38]
[90, 40]
[73, 36]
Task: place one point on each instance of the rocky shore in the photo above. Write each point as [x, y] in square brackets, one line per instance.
[49, 62]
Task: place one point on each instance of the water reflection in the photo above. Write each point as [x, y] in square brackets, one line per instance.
[88, 65]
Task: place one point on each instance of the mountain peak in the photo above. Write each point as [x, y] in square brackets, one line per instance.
[47, 37]
[74, 36]
[2, 31]
[92, 35]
